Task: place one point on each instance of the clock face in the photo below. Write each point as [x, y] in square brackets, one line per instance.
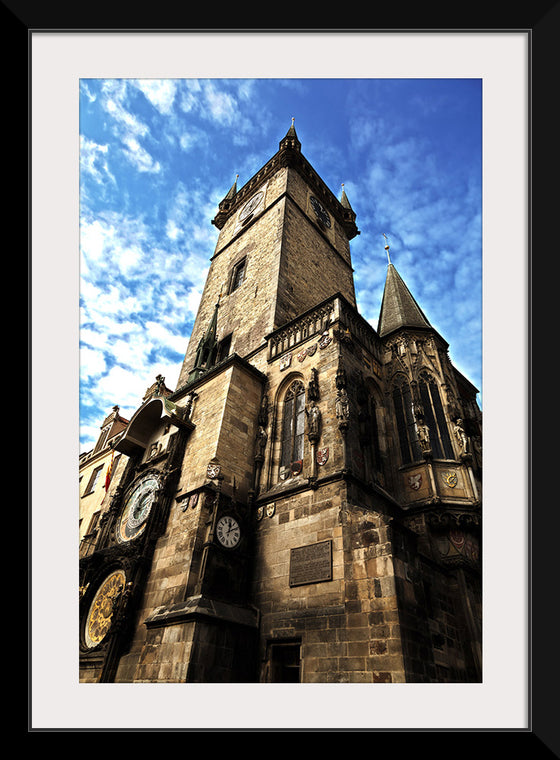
[137, 509]
[250, 206]
[320, 210]
[102, 608]
[228, 531]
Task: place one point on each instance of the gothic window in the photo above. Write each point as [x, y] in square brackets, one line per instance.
[293, 424]
[237, 275]
[406, 425]
[434, 416]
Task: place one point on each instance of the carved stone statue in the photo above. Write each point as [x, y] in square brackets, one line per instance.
[313, 387]
[423, 435]
[342, 405]
[263, 411]
[313, 420]
[262, 438]
[461, 436]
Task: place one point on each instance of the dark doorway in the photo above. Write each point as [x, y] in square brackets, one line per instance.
[285, 663]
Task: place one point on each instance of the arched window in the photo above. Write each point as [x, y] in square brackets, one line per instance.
[406, 424]
[435, 417]
[293, 425]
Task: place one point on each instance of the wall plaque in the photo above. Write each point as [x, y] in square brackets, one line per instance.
[311, 564]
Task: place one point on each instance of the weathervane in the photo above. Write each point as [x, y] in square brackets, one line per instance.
[387, 247]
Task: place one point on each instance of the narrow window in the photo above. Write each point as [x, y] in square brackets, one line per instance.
[93, 523]
[224, 348]
[93, 480]
[435, 418]
[406, 426]
[293, 424]
[238, 275]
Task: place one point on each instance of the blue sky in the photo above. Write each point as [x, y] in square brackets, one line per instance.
[157, 156]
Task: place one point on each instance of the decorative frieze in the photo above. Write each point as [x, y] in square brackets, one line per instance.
[315, 322]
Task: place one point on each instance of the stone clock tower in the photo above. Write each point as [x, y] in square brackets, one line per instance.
[305, 504]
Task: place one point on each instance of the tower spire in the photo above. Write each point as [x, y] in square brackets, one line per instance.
[291, 139]
[398, 306]
[232, 192]
[345, 203]
[208, 346]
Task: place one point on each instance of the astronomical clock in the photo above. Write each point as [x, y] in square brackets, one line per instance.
[113, 575]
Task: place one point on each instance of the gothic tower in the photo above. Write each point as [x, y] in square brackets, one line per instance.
[305, 505]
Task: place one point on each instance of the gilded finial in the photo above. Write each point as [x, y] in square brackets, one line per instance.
[387, 248]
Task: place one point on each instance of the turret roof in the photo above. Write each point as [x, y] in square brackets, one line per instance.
[398, 307]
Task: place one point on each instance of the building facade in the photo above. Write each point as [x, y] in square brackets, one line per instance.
[97, 470]
[305, 505]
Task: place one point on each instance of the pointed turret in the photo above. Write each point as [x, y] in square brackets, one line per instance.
[232, 192]
[398, 307]
[344, 202]
[225, 205]
[349, 216]
[291, 139]
[208, 346]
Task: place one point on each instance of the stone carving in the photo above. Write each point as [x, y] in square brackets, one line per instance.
[189, 405]
[313, 387]
[262, 438]
[342, 405]
[340, 380]
[325, 340]
[313, 421]
[423, 435]
[450, 479]
[285, 362]
[323, 456]
[461, 437]
[263, 411]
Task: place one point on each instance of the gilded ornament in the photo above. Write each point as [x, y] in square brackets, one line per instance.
[450, 479]
[103, 607]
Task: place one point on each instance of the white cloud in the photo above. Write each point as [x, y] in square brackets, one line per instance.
[127, 126]
[114, 93]
[93, 161]
[160, 336]
[193, 138]
[139, 156]
[160, 92]
[92, 363]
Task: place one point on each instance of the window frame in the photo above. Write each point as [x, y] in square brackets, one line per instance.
[434, 415]
[407, 433]
[238, 275]
[292, 428]
[94, 479]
